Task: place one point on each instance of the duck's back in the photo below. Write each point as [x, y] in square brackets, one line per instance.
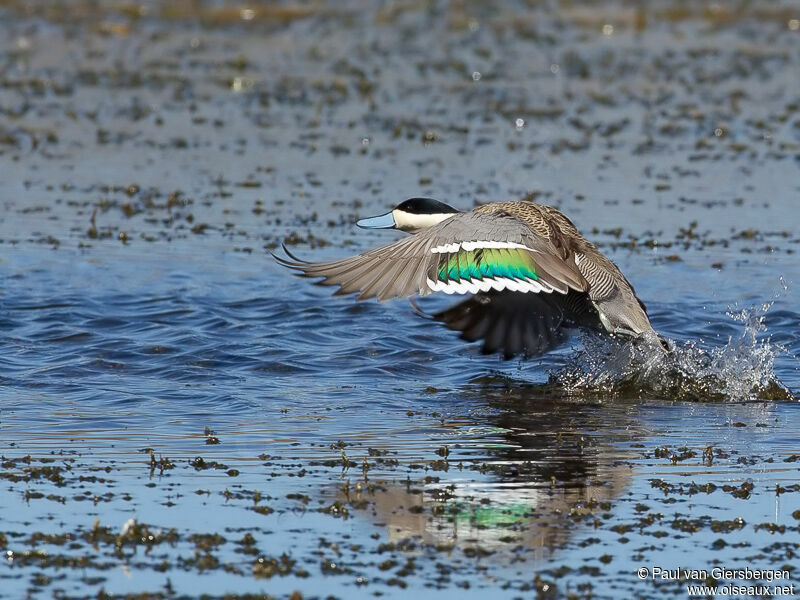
[619, 309]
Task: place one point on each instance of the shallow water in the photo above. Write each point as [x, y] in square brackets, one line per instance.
[181, 416]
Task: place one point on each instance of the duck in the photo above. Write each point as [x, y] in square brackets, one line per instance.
[529, 276]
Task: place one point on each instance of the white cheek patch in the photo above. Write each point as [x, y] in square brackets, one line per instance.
[409, 221]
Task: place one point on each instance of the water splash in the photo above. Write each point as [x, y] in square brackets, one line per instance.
[742, 369]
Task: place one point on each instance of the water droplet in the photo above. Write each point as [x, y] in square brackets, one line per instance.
[239, 84]
[365, 141]
[194, 42]
[555, 68]
[519, 123]
[476, 76]
[719, 132]
[608, 29]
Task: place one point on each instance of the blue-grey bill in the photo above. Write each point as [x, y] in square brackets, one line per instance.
[382, 222]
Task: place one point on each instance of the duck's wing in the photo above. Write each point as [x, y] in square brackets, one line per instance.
[467, 253]
[514, 323]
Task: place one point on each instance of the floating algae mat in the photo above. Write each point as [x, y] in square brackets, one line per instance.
[179, 418]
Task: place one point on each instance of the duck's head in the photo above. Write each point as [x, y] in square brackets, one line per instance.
[413, 215]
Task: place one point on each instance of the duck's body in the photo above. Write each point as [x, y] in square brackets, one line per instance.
[529, 270]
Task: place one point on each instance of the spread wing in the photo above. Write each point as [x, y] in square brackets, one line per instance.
[514, 323]
[467, 253]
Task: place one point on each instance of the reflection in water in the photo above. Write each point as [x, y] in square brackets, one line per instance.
[545, 474]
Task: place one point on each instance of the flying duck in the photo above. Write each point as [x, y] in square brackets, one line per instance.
[529, 273]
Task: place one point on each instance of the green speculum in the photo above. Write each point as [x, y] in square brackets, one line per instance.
[511, 263]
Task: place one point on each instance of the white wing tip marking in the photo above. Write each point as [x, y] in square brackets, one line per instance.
[473, 286]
